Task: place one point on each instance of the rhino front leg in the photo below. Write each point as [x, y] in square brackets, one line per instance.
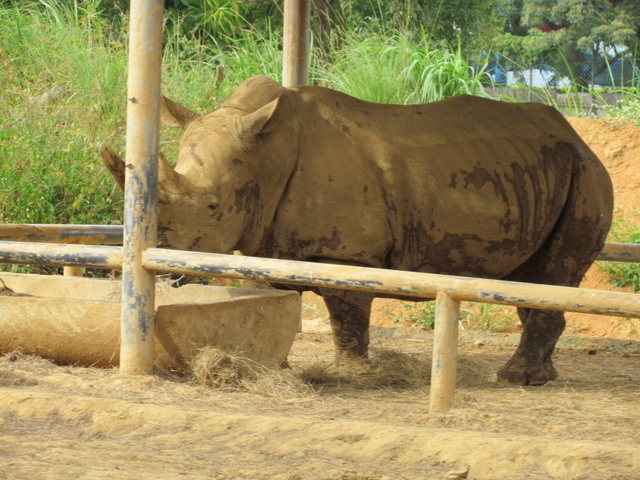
[531, 364]
[349, 313]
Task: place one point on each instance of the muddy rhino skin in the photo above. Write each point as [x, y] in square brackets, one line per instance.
[465, 186]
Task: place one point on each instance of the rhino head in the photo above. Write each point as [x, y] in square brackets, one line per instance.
[232, 169]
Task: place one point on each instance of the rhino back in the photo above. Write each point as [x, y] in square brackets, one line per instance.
[458, 118]
[467, 186]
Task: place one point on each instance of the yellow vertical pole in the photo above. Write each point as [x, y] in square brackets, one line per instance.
[295, 48]
[445, 353]
[141, 185]
[72, 271]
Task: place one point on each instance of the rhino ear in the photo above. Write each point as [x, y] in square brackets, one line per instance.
[174, 115]
[268, 117]
[114, 164]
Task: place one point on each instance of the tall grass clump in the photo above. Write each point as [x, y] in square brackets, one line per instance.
[61, 72]
[189, 66]
[397, 68]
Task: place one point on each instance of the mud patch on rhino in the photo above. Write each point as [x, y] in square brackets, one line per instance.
[246, 195]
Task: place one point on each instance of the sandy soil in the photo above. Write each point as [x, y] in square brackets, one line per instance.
[60, 422]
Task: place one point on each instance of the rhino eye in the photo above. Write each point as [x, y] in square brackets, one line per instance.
[213, 207]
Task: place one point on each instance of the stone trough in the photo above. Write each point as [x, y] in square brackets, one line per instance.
[76, 321]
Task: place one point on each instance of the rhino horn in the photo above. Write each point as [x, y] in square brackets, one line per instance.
[168, 178]
[174, 115]
[114, 164]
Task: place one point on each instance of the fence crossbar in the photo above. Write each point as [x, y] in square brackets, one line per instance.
[448, 290]
[61, 254]
[393, 282]
[113, 234]
[52, 233]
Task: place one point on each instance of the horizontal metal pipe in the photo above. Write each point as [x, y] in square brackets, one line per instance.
[98, 256]
[82, 234]
[394, 282]
[620, 252]
[112, 235]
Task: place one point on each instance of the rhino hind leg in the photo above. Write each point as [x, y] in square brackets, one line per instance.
[563, 260]
[349, 313]
[531, 364]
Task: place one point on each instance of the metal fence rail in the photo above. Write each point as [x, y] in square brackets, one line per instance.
[337, 276]
[81, 234]
[112, 235]
[447, 289]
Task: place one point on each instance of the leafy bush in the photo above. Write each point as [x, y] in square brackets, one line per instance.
[627, 111]
[623, 273]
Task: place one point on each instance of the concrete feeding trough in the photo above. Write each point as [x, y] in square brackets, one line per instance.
[77, 320]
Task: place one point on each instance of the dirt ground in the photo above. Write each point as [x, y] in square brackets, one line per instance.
[305, 423]
[63, 422]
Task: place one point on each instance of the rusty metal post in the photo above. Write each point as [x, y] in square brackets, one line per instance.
[80, 234]
[445, 353]
[295, 48]
[141, 185]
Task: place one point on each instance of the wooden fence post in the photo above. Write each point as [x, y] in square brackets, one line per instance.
[295, 48]
[445, 353]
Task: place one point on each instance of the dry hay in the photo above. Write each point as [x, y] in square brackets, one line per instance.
[377, 426]
[393, 369]
[217, 369]
[13, 366]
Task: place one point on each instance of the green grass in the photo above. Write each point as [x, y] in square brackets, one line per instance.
[60, 78]
[473, 315]
[393, 67]
[623, 273]
[627, 111]
[63, 71]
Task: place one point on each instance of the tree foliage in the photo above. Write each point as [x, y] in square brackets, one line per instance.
[563, 33]
[585, 24]
[472, 24]
[581, 39]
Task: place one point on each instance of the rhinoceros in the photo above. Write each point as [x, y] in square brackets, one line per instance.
[464, 186]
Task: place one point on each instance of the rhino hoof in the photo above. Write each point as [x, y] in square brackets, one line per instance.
[516, 372]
